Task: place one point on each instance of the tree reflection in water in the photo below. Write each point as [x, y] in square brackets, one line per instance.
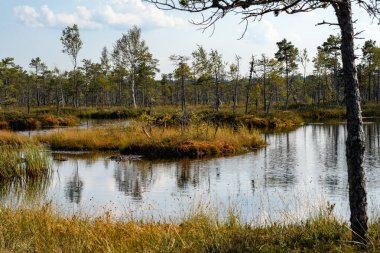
[25, 190]
[74, 187]
[133, 178]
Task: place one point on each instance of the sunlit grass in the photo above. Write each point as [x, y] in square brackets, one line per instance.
[43, 229]
[12, 138]
[101, 139]
[192, 140]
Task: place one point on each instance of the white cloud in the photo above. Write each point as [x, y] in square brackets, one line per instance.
[113, 13]
[134, 12]
[115, 18]
[271, 33]
[263, 32]
[27, 15]
[83, 17]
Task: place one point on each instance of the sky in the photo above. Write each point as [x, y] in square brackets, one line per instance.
[32, 29]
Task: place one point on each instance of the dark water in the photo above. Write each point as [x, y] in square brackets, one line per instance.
[292, 177]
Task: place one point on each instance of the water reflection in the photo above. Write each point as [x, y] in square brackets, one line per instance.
[25, 191]
[295, 171]
[133, 179]
[187, 174]
[74, 186]
[279, 160]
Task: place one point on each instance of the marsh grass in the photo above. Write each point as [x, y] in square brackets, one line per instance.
[43, 229]
[193, 140]
[190, 141]
[31, 160]
[101, 139]
[12, 139]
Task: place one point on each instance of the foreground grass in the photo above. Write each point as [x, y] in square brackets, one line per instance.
[162, 142]
[44, 230]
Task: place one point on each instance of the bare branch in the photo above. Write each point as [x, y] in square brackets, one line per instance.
[327, 23]
[357, 34]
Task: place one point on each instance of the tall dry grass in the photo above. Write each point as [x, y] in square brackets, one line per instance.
[12, 138]
[190, 141]
[193, 140]
[45, 230]
[101, 139]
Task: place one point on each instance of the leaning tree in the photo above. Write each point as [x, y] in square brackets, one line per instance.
[213, 10]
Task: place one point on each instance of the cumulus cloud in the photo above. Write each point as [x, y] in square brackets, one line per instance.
[116, 18]
[82, 16]
[110, 13]
[134, 12]
[27, 15]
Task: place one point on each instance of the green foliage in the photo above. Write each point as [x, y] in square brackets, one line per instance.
[128, 77]
[71, 42]
[287, 53]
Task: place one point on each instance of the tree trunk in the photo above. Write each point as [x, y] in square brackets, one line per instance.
[369, 86]
[37, 87]
[336, 85]
[57, 96]
[217, 95]
[287, 84]
[119, 95]
[235, 96]
[264, 87]
[249, 86]
[378, 85]
[76, 103]
[183, 95]
[133, 89]
[28, 99]
[355, 137]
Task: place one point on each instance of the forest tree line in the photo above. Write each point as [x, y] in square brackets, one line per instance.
[127, 75]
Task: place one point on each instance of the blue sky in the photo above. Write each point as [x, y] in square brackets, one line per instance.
[33, 28]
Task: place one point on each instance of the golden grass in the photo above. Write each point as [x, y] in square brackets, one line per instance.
[12, 138]
[158, 142]
[44, 230]
[101, 139]
[192, 141]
